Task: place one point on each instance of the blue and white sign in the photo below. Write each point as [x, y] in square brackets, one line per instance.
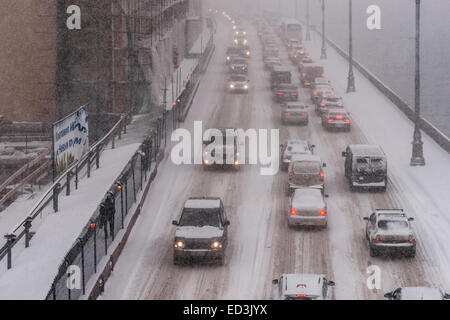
[70, 139]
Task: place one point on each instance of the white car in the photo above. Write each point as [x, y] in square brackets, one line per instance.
[390, 230]
[238, 83]
[294, 147]
[308, 208]
[303, 287]
[417, 293]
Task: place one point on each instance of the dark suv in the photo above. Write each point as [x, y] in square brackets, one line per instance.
[310, 73]
[201, 231]
[280, 75]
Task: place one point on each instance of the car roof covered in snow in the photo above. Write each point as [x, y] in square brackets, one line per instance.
[305, 158]
[421, 293]
[308, 284]
[366, 150]
[311, 198]
[202, 203]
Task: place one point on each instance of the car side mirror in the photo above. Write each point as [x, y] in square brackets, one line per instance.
[326, 195]
[175, 222]
[344, 154]
[313, 146]
[331, 283]
[447, 296]
[324, 164]
[411, 219]
[275, 281]
[366, 218]
[388, 295]
[227, 222]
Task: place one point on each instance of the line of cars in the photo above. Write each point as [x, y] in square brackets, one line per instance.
[387, 230]
[202, 229]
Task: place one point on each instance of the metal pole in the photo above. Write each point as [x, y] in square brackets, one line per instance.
[351, 76]
[324, 48]
[417, 158]
[308, 26]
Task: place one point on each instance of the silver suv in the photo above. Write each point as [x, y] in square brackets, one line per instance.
[201, 231]
[390, 230]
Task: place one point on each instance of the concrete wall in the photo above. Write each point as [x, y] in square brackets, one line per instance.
[27, 56]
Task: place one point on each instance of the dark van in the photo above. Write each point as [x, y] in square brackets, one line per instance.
[278, 76]
[310, 73]
[365, 166]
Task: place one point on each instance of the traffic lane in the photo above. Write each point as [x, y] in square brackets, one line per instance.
[354, 206]
[149, 248]
[206, 282]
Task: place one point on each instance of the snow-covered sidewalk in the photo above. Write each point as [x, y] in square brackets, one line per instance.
[34, 268]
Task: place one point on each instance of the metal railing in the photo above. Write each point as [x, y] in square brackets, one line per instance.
[63, 181]
[95, 240]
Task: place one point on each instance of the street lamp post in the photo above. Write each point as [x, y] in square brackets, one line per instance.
[351, 76]
[324, 48]
[417, 158]
[308, 31]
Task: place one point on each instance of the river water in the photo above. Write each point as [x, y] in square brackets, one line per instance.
[389, 53]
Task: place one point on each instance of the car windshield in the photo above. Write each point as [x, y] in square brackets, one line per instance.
[392, 224]
[200, 217]
[283, 76]
[298, 106]
[306, 167]
[239, 61]
[237, 78]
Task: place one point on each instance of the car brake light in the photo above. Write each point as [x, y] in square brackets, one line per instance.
[290, 174]
[339, 104]
[304, 114]
[279, 93]
[293, 93]
[293, 212]
[411, 238]
[315, 93]
[330, 120]
[301, 295]
[287, 114]
[323, 213]
[323, 75]
[347, 120]
[303, 75]
[322, 104]
[339, 116]
[377, 239]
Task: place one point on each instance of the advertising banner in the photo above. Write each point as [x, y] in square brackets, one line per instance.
[70, 140]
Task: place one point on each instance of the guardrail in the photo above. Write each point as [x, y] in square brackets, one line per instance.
[63, 181]
[424, 124]
[19, 174]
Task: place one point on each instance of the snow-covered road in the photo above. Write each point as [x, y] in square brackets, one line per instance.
[261, 246]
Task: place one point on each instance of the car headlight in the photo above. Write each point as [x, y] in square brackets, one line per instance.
[231, 86]
[179, 244]
[245, 86]
[206, 161]
[228, 58]
[216, 245]
[245, 41]
[247, 53]
[235, 41]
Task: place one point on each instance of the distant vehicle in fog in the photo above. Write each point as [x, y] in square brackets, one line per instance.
[308, 208]
[280, 75]
[336, 119]
[310, 73]
[238, 83]
[294, 148]
[294, 112]
[305, 171]
[286, 92]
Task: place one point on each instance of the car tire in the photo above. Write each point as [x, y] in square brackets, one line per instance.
[177, 261]
[221, 260]
[373, 252]
[411, 253]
